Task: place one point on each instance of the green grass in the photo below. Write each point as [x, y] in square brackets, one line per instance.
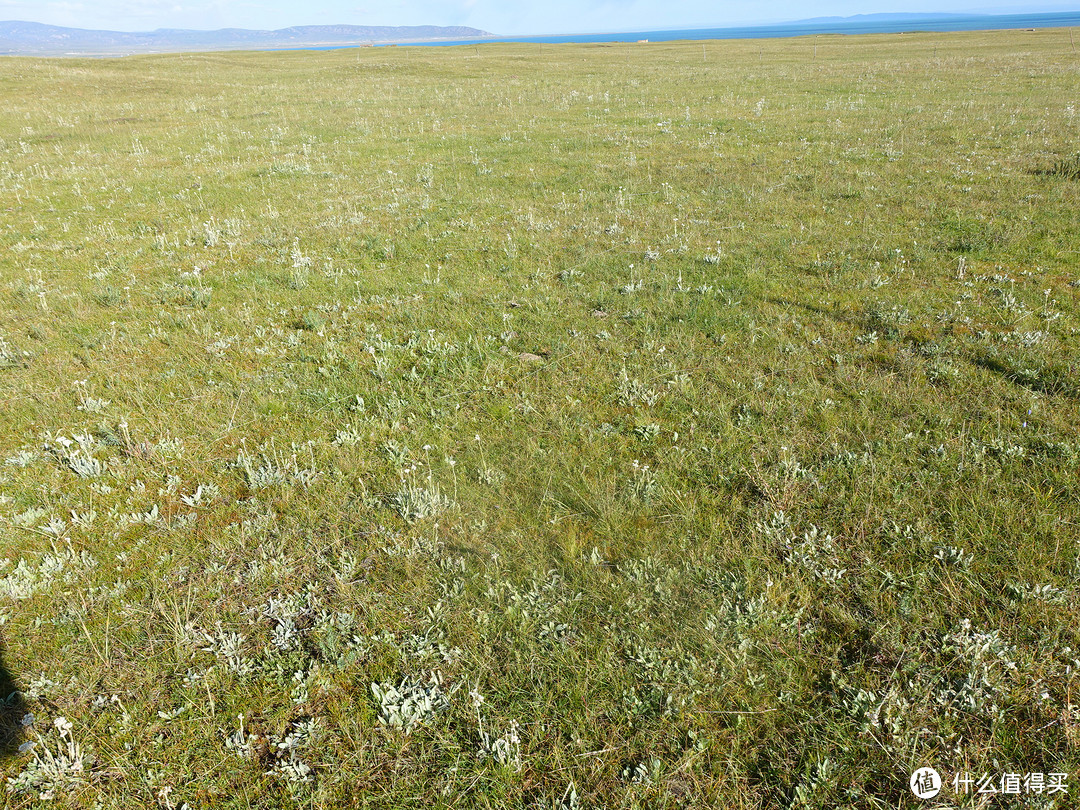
[650, 428]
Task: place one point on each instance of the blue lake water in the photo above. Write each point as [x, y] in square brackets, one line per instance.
[857, 26]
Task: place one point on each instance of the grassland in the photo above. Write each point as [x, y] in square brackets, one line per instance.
[625, 426]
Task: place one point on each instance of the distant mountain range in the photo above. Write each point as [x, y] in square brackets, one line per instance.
[887, 17]
[30, 38]
[38, 39]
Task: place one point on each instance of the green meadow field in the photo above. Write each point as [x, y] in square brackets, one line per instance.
[588, 426]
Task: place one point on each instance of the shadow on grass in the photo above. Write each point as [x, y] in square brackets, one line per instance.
[1067, 168]
[1049, 377]
[1044, 380]
[838, 316]
[12, 709]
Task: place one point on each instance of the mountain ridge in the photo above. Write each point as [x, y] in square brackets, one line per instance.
[20, 37]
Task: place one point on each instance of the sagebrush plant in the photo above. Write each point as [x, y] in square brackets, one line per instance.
[638, 425]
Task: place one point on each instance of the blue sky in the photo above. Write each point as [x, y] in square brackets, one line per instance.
[497, 16]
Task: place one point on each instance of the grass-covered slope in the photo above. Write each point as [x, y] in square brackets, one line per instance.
[582, 426]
